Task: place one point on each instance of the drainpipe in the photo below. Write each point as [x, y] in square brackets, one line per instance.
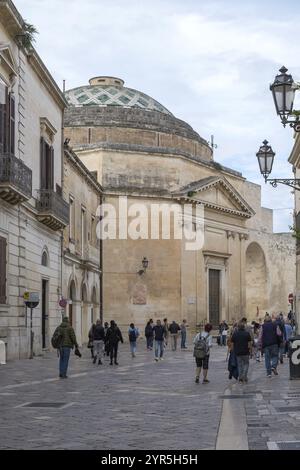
[101, 276]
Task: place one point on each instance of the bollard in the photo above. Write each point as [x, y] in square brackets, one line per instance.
[2, 353]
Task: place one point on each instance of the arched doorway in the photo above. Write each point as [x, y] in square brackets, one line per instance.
[72, 297]
[256, 281]
[84, 314]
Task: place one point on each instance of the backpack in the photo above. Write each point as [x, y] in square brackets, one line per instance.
[57, 338]
[132, 336]
[201, 347]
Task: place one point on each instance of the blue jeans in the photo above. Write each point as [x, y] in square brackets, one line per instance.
[132, 347]
[159, 348]
[224, 338]
[183, 339]
[243, 366]
[271, 357]
[64, 355]
[149, 342]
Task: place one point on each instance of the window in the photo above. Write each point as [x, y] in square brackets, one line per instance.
[7, 120]
[3, 261]
[83, 230]
[47, 165]
[93, 230]
[44, 258]
[72, 219]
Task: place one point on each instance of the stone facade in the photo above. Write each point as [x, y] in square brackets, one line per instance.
[82, 257]
[294, 159]
[30, 220]
[152, 158]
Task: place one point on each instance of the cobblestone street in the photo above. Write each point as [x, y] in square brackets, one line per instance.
[141, 404]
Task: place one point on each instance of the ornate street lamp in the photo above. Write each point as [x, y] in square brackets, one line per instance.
[283, 91]
[145, 264]
[265, 157]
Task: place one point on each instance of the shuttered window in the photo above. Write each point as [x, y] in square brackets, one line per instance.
[2, 270]
[47, 165]
[7, 120]
[11, 124]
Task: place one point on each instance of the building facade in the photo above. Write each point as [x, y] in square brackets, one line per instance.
[82, 285]
[294, 159]
[33, 212]
[142, 152]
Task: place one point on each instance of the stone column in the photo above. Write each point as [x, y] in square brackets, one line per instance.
[230, 241]
[243, 237]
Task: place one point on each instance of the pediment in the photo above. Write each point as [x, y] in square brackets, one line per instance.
[216, 193]
[7, 58]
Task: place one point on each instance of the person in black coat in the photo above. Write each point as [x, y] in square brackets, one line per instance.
[113, 336]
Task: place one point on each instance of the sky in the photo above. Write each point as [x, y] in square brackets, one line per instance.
[209, 62]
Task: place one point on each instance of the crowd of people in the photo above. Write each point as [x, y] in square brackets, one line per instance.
[268, 339]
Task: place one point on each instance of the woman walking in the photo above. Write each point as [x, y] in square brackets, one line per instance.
[202, 344]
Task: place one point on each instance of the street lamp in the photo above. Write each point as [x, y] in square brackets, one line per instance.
[145, 264]
[265, 157]
[283, 90]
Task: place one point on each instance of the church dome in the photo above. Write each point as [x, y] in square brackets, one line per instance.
[110, 91]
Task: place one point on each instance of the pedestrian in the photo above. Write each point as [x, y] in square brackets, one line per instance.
[281, 337]
[242, 345]
[174, 328]
[90, 342]
[202, 345]
[268, 340]
[159, 337]
[183, 330]
[166, 332]
[113, 337]
[133, 334]
[223, 330]
[67, 341]
[98, 341]
[256, 348]
[149, 334]
[106, 343]
[232, 359]
[288, 334]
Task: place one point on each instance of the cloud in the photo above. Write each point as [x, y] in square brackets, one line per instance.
[210, 65]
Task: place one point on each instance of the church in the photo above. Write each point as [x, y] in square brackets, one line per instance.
[138, 150]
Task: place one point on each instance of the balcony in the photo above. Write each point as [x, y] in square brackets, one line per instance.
[53, 209]
[15, 179]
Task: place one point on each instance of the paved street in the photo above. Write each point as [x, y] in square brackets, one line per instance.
[141, 404]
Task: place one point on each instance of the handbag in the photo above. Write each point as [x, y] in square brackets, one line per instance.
[77, 352]
[90, 344]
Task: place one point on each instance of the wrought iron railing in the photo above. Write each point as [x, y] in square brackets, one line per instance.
[13, 171]
[52, 203]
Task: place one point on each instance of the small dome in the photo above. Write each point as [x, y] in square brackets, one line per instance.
[110, 91]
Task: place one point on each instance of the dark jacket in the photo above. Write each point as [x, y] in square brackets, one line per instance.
[174, 328]
[68, 333]
[113, 335]
[241, 340]
[98, 333]
[269, 335]
[149, 331]
[159, 332]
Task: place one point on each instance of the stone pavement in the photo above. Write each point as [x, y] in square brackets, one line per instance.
[141, 404]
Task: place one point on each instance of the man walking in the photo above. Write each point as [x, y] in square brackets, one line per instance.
[159, 336]
[173, 329]
[269, 344]
[98, 342]
[166, 331]
[242, 345]
[149, 334]
[223, 330]
[133, 334]
[183, 328]
[67, 342]
[113, 337]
